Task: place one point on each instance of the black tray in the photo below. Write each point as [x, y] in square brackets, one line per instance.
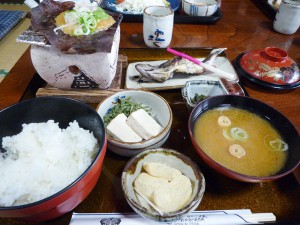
[180, 17]
[266, 8]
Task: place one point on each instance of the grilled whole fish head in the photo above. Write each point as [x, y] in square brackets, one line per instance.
[177, 64]
[161, 72]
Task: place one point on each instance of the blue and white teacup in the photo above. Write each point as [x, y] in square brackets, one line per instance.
[158, 26]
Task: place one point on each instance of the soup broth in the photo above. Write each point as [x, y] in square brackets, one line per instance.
[241, 141]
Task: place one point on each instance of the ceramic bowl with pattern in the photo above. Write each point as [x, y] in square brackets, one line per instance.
[172, 159]
[159, 110]
[269, 68]
[196, 91]
[200, 7]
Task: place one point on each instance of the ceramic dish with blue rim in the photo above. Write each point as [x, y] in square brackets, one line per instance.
[195, 91]
[113, 5]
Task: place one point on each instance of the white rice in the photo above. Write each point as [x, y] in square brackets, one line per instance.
[42, 160]
[137, 6]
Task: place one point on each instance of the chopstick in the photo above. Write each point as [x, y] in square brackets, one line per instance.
[205, 66]
[259, 217]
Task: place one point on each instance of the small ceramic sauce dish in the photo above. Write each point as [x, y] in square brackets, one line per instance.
[196, 91]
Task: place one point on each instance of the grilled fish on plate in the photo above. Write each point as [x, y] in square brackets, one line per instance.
[177, 64]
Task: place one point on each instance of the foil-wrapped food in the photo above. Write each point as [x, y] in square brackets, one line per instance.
[58, 22]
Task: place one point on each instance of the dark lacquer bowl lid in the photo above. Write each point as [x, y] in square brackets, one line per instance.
[270, 67]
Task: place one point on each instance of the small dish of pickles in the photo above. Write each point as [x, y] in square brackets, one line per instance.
[197, 90]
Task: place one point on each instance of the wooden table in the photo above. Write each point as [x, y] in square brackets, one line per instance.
[243, 27]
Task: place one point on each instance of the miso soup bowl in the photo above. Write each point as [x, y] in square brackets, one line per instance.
[286, 129]
[63, 111]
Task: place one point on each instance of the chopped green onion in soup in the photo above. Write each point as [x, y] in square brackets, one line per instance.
[235, 133]
[237, 151]
[224, 121]
[275, 144]
[238, 134]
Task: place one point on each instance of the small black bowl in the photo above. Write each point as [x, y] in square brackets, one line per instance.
[278, 120]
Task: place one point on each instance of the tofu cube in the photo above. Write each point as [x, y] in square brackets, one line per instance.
[119, 130]
[143, 124]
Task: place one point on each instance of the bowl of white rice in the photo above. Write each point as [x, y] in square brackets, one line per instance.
[51, 155]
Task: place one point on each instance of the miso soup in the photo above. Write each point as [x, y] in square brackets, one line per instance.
[241, 141]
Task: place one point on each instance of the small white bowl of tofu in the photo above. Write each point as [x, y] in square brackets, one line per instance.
[162, 184]
[135, 120]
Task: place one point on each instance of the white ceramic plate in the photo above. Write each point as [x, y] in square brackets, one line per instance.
[178, 80]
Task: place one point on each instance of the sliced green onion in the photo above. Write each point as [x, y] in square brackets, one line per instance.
[91, 23]
[71, 17]
[86, 18]
[78, 31]
[276, 144]
[224, 121]
[237, 150]
[86, 30]
[227, 135]
[238, 134]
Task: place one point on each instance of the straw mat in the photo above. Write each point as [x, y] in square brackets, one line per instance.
[10, 50]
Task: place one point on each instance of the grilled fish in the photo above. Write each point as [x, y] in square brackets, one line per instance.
[177, 64]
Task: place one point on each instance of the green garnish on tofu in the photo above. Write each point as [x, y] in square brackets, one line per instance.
[123, 105]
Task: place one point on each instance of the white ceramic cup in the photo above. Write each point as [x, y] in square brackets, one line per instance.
[158, 26]
[200, 7]
[287, 19]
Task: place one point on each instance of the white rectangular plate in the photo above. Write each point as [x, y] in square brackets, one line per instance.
[178, 80]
